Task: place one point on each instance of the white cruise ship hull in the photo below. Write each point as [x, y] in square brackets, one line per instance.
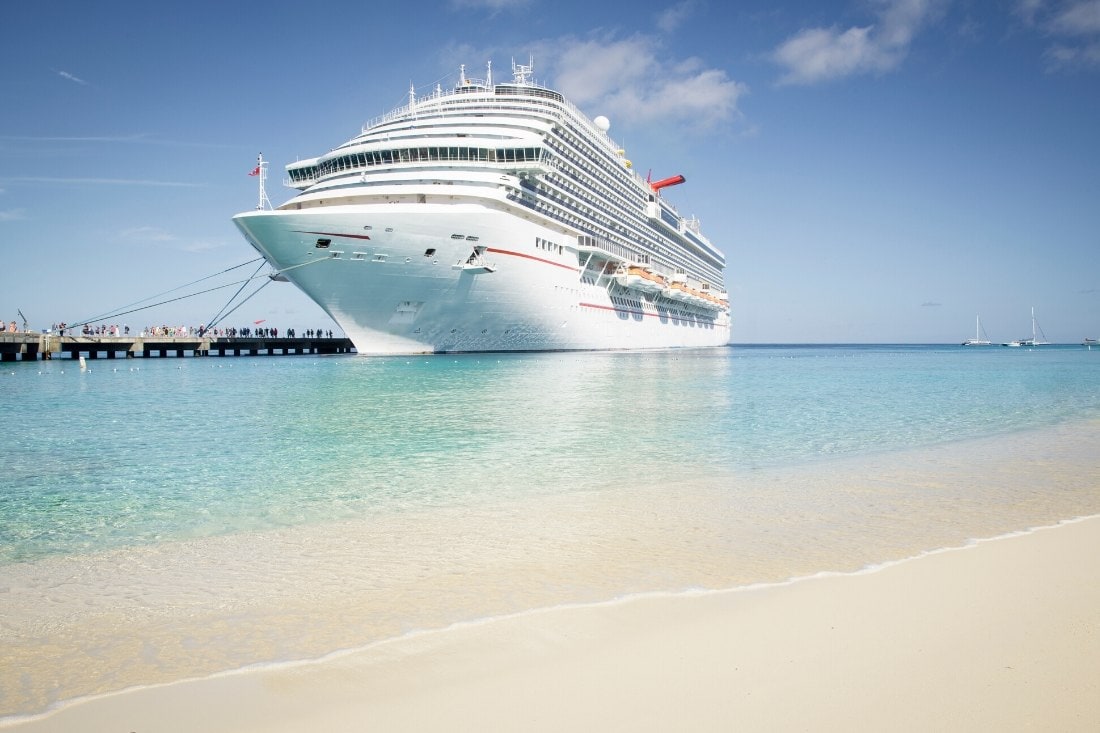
[494, 217]
[398, 279]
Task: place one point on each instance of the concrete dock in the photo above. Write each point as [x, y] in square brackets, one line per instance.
[30, 346]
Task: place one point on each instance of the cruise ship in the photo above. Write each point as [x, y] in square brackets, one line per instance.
[492, 217]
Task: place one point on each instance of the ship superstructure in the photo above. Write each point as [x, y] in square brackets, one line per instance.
[493, 217]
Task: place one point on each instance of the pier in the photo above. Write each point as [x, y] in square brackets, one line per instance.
[30, 346]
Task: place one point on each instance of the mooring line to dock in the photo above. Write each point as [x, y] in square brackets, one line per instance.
[151, 305]
[112, 313]
[270, 279]
[242, 283]
[218, 316]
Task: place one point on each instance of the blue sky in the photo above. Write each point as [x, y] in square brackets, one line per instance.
[874, 170]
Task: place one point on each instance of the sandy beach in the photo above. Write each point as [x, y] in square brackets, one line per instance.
[1000, 635]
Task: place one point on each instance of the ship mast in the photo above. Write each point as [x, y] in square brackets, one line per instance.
[261, 172]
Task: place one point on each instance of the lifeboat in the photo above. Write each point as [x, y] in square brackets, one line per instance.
[676, 290]
[650, 281]
[639, 278]
[628, 277]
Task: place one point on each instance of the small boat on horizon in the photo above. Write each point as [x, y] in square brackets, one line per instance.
[1036, 332]
[980, 337]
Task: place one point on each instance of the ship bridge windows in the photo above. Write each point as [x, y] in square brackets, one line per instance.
[303, 174]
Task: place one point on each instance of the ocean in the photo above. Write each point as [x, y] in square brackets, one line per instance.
[163, 518]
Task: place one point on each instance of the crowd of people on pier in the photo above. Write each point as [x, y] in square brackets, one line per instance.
[103, 329]
[162, 331]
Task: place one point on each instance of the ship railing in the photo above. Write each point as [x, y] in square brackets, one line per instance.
[532, 168]
[434, 103]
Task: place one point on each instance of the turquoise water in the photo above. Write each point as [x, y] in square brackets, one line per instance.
[166, 518]
[143, 451]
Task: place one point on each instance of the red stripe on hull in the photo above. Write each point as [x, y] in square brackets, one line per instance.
[334, 234]
[509, 252]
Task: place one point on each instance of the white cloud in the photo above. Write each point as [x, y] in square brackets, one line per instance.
[625, 77]
[149, 235]
[1075, 24]
[817, 54]
[201, 246]
[821, 54]
[100, 181]
[492, 6]
[70, 77]
[669, 19]
[1085, 56]
[1080, 18]
[1027, 10]
[12, 215]
[146, 234]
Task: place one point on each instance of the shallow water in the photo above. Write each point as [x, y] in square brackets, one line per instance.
[166, 518]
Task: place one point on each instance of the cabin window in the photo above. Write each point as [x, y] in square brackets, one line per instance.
[429, 252]
[323, 243]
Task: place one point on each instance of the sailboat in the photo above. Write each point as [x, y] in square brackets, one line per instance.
[1036, 332]
[980, 339]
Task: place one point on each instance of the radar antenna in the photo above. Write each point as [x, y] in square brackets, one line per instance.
[520, 72]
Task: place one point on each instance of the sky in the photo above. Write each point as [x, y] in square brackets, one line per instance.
[875, 171]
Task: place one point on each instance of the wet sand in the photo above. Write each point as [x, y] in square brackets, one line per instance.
[1001, 635]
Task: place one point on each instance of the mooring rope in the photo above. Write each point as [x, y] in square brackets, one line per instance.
[112, 313]
[216, 320]
[271, 276]
[210, 324]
